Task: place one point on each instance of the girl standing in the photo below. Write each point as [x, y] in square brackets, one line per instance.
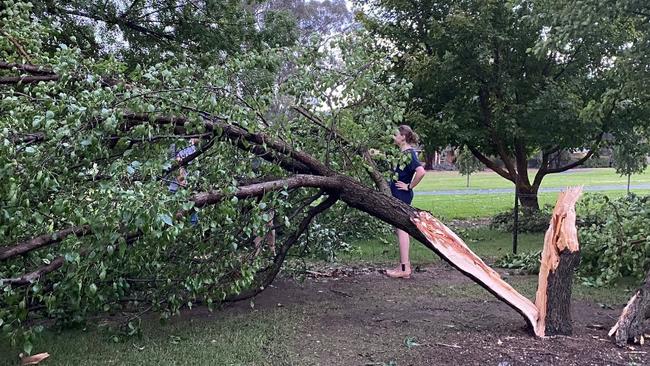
[402, 189]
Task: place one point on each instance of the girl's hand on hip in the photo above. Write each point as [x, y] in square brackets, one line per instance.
[402, 186]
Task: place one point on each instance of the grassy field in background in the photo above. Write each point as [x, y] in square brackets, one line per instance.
[486, 243]
[439, 180]
[484, 205]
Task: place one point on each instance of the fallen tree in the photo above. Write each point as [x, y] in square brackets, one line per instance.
[85, 170]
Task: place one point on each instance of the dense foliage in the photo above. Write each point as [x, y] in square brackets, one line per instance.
[88, 222]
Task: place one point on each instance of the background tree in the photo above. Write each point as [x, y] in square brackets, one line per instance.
[492, 75]
[631, 156]
[467, 163]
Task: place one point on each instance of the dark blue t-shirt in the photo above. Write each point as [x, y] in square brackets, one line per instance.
[405, 175]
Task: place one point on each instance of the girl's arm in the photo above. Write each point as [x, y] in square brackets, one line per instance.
[419, 174]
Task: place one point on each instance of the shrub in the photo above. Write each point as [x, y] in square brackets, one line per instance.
[530, 221]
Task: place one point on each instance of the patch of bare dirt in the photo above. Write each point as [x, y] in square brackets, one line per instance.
[360, 317]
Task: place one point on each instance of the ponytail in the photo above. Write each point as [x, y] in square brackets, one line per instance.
[410, 136]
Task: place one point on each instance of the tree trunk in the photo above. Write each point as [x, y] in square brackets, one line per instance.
[628, 183]
[429, 158]
[632, 324]
[560, 257]
[528, 196]
[467, 180]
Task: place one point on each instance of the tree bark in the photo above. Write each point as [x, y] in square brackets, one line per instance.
[560, 257]
[528, 196]
[632, 323]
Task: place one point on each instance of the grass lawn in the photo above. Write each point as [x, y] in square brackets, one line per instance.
[436, 181]
[487, 244]
[484, 205]
[204, 339]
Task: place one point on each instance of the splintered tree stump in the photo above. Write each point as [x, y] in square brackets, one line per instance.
[632, 325]
[551, 313]
[560, 257]
[452, 248]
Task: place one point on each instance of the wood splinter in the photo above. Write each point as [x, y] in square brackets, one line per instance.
[631, 324]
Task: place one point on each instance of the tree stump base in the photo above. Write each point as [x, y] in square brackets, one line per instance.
[560, 257]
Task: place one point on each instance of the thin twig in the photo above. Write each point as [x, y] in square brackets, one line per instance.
[18, 46]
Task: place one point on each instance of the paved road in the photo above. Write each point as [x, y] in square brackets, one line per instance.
[454, 192]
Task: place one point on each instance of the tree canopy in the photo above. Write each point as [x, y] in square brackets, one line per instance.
[514, 79]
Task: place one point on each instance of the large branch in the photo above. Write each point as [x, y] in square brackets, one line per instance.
[578, 162]
[238, 135]
[266, 277]
[259, 189]
[42, 241]
[120, 22]
[32, 69]
[31, 277]
[27, 79]
[539, 176]
[490, 164]
[40, 73]
[54, 265]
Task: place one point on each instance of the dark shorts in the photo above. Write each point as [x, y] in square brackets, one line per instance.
[404, 196]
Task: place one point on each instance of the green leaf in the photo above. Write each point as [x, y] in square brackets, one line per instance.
[27, 347]
[166, 219]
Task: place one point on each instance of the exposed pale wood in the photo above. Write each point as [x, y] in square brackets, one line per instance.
[559, 258]
[456, 251]
[631, 324]
[34, 360]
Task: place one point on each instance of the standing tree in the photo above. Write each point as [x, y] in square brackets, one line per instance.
[630, 159]
[493, 76]
[467, 163]
[631, 154]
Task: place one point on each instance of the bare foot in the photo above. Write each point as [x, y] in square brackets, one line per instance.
[399, 273]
